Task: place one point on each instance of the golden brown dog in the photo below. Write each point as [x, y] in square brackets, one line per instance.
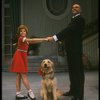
[49, 90]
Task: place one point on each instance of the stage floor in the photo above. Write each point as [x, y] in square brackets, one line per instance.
[90, 91]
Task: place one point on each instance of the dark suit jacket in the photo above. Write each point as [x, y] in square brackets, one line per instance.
[73, 35]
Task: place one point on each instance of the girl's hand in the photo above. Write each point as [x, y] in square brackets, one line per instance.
[46, 39]
[50, 38]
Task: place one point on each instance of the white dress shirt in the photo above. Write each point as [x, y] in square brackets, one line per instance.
[55, 38]
[76, 15]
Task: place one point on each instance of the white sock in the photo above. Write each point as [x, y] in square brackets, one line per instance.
[29, 90]
[19, 94]
[31, 93]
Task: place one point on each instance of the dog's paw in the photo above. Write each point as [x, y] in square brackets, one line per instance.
[59, 93]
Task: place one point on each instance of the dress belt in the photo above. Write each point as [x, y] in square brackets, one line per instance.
[22, 50]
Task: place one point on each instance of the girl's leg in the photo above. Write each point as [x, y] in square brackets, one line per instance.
[18, 82]
[18, 87]
[26, 83]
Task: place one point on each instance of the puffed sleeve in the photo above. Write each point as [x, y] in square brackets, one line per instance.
[24, 38]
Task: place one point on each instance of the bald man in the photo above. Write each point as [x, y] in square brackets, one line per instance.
[73, 46]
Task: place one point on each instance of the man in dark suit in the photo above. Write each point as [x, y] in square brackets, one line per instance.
[73, 46]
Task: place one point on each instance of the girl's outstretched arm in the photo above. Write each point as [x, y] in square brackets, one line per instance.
[36, 40]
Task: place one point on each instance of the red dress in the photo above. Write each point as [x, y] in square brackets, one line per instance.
[19, 61]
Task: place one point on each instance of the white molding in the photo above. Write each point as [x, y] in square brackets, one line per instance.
[2, 31]
[22, 12]
[66, 13]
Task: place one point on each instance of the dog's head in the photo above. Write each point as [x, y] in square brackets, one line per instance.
[47, 66]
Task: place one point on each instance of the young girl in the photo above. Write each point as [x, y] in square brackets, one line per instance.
[19, 62]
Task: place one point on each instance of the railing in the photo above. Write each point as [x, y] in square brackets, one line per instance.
[90, 46]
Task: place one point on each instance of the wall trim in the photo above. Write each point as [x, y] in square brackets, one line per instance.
[49, 14]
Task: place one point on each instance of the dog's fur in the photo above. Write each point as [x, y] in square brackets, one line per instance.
[49, 90]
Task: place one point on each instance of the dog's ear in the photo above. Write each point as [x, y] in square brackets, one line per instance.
[52, 63]
[41, 63]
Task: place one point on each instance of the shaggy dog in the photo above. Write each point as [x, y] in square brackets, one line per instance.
[49, 90]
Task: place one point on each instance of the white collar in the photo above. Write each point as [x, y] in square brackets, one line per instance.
[76, 15]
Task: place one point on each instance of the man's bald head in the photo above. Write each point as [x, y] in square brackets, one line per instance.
[76, 8]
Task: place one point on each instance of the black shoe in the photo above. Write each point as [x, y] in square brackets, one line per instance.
[18, 97]
[31, 97]
[68, 94]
